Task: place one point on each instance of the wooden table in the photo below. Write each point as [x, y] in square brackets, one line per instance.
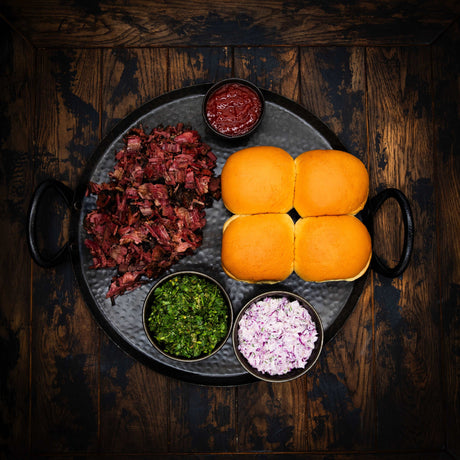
[384, 77]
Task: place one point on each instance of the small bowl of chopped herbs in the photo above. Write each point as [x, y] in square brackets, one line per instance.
[278, 336]
[188, 316]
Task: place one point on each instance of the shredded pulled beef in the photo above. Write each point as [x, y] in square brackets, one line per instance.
[151, 212]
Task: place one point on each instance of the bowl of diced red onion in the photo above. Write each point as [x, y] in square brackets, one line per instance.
[278, 336]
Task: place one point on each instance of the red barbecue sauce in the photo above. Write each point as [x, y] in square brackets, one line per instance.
[233, 109]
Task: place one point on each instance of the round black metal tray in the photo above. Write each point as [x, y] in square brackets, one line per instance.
[286, 125]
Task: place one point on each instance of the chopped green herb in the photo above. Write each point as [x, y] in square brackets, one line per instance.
[189, 316]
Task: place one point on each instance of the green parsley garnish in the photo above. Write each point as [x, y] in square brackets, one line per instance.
[189, 316]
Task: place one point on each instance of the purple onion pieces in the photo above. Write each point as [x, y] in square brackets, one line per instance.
[276, 335]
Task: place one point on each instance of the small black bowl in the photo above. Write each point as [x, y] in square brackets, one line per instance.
[146, 311]
[249, 129]
[294, 373]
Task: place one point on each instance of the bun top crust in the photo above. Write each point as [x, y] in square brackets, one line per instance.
[331, 248]
[330, 182]
[258, 180]
[258, 248]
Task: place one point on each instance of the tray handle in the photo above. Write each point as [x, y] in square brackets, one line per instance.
[67, 195]
[371, 209]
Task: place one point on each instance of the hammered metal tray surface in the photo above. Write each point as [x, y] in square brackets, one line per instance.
[286, 125]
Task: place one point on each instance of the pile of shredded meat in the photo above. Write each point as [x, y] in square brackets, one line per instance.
[151, 212]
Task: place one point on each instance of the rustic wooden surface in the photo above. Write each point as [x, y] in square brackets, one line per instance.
[139, 23]
[387, 386]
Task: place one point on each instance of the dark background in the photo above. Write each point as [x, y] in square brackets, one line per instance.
[384, 76]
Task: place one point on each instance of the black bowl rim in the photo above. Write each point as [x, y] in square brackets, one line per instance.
[226, 81]
[182, 273]
[295, 373]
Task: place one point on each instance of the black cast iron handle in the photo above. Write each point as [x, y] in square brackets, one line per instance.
[67, 195]
[372, 206]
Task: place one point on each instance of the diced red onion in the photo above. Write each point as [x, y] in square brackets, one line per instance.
[276, 336]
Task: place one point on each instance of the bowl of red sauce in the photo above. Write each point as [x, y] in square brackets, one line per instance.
[233, 108]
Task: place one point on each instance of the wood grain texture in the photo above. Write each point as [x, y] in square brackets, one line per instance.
[140, 23]
[387, 386]
[192, 66]
[406, 309]
[134, 410]
[134, 405]
[131, 78]
[340, 395]
[275, 69]
[202, 418]
[16, 143]
[333, 88]
[65, 339]
[340, 392]
[417, 455]
[446, 70]
[272, 417]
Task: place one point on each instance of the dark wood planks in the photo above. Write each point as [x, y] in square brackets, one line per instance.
[270, 22]
[275, 69]
[16, 143]
[202, 418]
[139, 411]
[130, 78]
[65, 339]
[192, 66]
[340, 390]
[407, 345]
[134, 403]
[446, 96]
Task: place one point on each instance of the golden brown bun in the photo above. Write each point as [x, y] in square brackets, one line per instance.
[258, 180]
[330, 183]
[331, 248]
[258, 248]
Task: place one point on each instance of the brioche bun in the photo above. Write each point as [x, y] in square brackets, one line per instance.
[258, 248]
[330, 183]
[331, 248]
[258, 180]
